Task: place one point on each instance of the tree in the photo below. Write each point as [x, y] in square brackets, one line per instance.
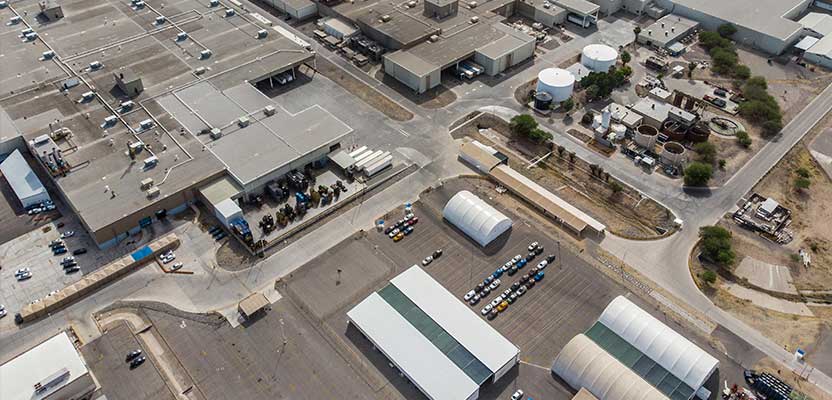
[593, 92]
[560, 150]
[698, 174]
[709, 277]
[522, 124]
[538, 135]
[616, 187]
[706, 151]
[691, 68]
[802, 183]
[742, 72]
[772, 127]
[568, 105]
[726, 30]
[803, 172]
[723, 61]
[587, 118]
[636, 31]
[625, 57]
[716, 245]
[743, 139]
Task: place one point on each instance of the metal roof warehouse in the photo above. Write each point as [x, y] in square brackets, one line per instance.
[436, 341]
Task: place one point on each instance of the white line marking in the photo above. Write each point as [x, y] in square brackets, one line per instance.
[404, 133]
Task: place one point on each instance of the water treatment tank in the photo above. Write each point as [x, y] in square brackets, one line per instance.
[599, 57]
[646, 136]
[557, 82]
[673, 153]
[542, 101]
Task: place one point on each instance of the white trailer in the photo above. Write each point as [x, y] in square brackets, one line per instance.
[358, 151]
[369, 160]
[378, 166]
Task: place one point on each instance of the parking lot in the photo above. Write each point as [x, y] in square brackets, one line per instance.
[105, 357]
[15, 220]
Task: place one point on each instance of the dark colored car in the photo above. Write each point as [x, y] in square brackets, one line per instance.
[492, 315]
[408, 230]
[59, 250]
[479, 287]
[531, 256]
[550, 258]
[512, 271]
[437, 253]
[515, 286]
[133, 354]
[137, 361]
[389, 229]
[530, 284]
[539, 250]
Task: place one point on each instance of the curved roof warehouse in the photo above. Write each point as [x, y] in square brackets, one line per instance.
[476, 218]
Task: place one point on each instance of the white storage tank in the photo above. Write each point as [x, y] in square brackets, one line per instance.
[557, 82]
[599, 57]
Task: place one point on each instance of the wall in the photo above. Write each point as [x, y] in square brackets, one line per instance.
[417, 83]
[77, 389]
[504, 369]
[818, 59]
[634, 6]
[608, 6]
[500, 64]
[12, 143]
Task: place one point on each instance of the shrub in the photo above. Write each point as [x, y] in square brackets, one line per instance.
[538, 135]
[616, 187]
[743, 139]
[803, 172]
[706, 151]
[587, 118]
[716, 245]
[522, 124]
[698, 174]
[772, 127]
[625, 57]
[802, 183]
[742, 72]
[568, 105]
[709, 277]
[726, 30]
[722, 164]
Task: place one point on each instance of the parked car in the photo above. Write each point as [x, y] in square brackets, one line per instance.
[506, 292]
[494, 284]
[398, 237]
[78, 252]
[67, 234]
[515, 286]
[521, 290]
[479, 287]
[137, 361]
[56, 242]
[525, 278]
[533, 271]
[516, 259]
[59, 250]
[393, 233]
[408, 230]
[71, 270]
[530, 284]
[530, 256]
[469, 295]
[167, 257]
[2, 311]
[176, 266]
[539, 250]
[533, 246]
[497, 273]
[542, 264]
[437, 253]
[502, 306]
[133, 354]
[550, 258]
[489, 279]
[522, 263]
[512, 271]
[485, 291]
[389, 229]
[539, 276]
[67, 260]
[474, 300]
[23, 274]
[486, 309]
[517, 395]
[427, 260]
[506, 266]
[720, 92]
[492, 315]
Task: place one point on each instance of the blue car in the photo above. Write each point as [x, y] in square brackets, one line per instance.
[59, 250]
[522, 263]
[498, 273]
[539, 276]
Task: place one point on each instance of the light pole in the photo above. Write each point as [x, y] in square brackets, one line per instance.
[338, 278]
[560, 262]
[283, 332]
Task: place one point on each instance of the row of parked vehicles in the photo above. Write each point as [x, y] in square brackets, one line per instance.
[135, 358]
[43, 207]
[517, 289]
[469, 69]
[402, 227]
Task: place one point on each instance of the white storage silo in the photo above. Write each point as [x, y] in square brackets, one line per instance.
[557, 82]
[599, 57]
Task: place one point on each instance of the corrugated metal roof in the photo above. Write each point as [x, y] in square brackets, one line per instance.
[423, 363]
[478, 157]
[253, 303]
[657, 341]
[548, 201]
[22, 179]
[476, 218]
[455, 317]
[582, 364]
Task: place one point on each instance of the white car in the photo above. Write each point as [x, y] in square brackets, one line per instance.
[497, 300]
[486, 310]
[506, 266]
[67, 234]
[516, 259]
[542, 264]
[469, 295]
[533, 246]
[23, 274]
[168, 257]
[427, 260]
[517, 395]
[495, 284]
[2, 311]
[176, 266]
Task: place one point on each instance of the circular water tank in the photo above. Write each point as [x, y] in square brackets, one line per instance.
[673, 153]
[646, 136]
[698, 133]
[542, 100]
[599, 57]
[557, 82]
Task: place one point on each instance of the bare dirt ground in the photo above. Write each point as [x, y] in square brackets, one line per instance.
[437, 97]
[811, 212]
[363, 91]
[791, 378]
[625, 213]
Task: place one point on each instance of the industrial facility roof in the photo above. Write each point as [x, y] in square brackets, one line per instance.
[220, 189]
[414, 354]
[253, 303]
[582, 7]
[20, 374]
[667, 29]
[478, 157]
[412, 63]
[764, 16]
[822, 47]
[660, 344]
[659, 110]
[548, 201]
[806, 43]
[512, 40]
[399, 25]
[818, 23]
[476, 218]
[624, 115]
[20, 176]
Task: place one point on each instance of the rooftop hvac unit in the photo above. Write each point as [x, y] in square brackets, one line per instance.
[243, 122]
[386, 18]
[261, 34]
[95, 65]
[152, 192]
[411, 4]
[475, 19]
[87, 96]
[215, 3]
[216, 133]
[205, 54]
[181, 36]
[200, 70]
[434, 38]
[160, 20]
[127, 105]
[14, 20]
[146, 124]
[547, 5]
[41, 139]
[229, 12]
[472, 4]
[136, 147]
[48, 55]
[146, 183]
[269, 110]
[110, 120]
[151, 161]
[31, 36]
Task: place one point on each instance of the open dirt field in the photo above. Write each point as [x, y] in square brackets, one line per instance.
[369, 95]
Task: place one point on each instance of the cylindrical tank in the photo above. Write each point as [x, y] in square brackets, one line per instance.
[542, 100]
[698, 133]
[619, 131]
[673, 153]
[675, 131]
[557, 82]
[599, 57]
[606, 115]
[646, 136]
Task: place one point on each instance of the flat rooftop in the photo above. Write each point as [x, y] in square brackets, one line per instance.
[267, 143]
[20, 374]
[765, 16]
[667, 29]
[132, 40]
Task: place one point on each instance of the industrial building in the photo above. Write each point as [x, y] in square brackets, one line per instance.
[768, 25]
[432, 338]
[655, 113]
[149, 128]
[558, 83]
[52, 370]
[667, 31]
[24, 182]
[296, 9]
[476, 218]
[821, 52]
[629, 354]
[816, 24]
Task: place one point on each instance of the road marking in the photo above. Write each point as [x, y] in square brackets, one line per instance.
[534, 365]
[404, 133]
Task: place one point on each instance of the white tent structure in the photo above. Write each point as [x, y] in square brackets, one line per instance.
[685, 360]
[23, 180]
[475, 218]
[583, 364]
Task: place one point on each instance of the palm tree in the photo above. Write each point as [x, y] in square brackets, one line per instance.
[637, 31]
